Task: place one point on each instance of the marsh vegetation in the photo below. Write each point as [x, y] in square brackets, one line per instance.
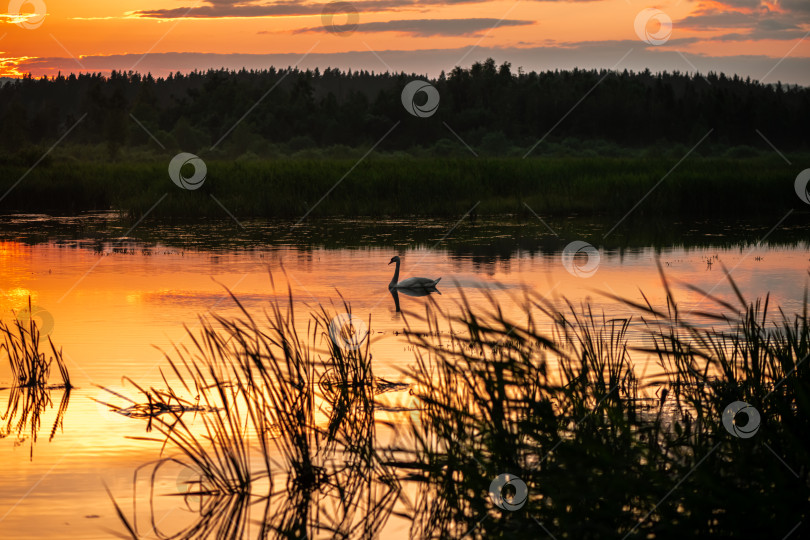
[554, 398]
[393, 186]
[30, 364]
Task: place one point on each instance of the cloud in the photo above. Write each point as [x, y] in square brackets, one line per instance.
[716, 19]
[14, 66]
[218, 9]
[261, 8]
[429, 27]
[750, 20]
[431, 62]
[775, 29]
[745, 4]
[614, 44]
[761, 6]
[796, 5]
[780, 35]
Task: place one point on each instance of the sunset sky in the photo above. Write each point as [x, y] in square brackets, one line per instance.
[764, 39]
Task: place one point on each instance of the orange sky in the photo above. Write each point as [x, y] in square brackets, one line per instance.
[80, 35]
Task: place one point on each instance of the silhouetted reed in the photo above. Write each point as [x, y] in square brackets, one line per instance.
[29, 365]
[24, 409]
[30, 393]
[604, 455]
[553, 399]
[255, 386]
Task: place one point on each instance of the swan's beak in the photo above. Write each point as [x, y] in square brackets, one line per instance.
[390, 262]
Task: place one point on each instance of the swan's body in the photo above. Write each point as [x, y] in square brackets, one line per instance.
[410, 284]
[416, 283]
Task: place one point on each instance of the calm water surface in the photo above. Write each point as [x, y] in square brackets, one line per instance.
[113, 303]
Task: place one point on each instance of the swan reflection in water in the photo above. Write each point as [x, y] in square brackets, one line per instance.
[414, 286]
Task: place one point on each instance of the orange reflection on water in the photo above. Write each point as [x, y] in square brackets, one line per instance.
[110, 311]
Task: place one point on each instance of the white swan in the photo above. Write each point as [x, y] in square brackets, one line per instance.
[410, 283]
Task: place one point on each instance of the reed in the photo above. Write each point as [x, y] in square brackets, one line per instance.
[390, 185]
[554, 399]
[30, 366]
[257, 386]
[604, 453]
[30, 394]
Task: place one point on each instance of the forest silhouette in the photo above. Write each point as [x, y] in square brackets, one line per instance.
[275, 142]
[491, 108]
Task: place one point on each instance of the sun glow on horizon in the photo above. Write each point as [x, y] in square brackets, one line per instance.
[120, 31]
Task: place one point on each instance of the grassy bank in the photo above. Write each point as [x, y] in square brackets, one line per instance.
[400, 185]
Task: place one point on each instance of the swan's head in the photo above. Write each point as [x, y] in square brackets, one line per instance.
[394, 259]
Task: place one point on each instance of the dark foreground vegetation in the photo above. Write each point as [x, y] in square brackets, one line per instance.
[393, 186]
[29, 395]
[554, 399]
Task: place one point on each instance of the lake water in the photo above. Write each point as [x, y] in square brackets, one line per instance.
[113, 300]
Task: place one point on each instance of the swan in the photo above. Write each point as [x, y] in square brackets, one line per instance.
[410, 283]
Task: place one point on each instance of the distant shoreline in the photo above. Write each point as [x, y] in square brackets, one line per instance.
[403, 186]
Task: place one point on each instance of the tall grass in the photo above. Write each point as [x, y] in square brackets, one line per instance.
[256, 387]
[605, 454]
[504, 397]
[30, 393]
[30, 366]
[553, 398]
[395, 186]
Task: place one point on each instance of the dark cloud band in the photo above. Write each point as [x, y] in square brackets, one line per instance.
[429, 27]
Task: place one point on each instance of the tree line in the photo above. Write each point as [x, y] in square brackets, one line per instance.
[492, 108]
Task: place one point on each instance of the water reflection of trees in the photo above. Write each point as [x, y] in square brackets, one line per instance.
[484, 242]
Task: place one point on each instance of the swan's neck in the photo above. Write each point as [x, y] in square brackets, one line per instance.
[395, 279]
